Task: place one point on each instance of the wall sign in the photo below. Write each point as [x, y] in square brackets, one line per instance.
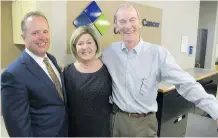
[150, 23]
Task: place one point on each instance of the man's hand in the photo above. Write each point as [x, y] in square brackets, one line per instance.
[217, 123]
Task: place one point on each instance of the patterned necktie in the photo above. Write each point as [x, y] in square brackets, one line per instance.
[53, 77]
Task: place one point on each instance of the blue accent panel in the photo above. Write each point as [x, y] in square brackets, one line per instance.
[93, 11]
[82, 20]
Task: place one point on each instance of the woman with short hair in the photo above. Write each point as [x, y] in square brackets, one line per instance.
[88, 87]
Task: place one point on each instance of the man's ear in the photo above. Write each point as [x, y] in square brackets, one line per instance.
[23, 36]
[140, 24]
[115, 21]
[116, 26]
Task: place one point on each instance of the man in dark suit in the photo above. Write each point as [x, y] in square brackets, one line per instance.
[32, 88]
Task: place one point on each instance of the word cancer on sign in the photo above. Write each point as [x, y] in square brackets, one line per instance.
[150, 23]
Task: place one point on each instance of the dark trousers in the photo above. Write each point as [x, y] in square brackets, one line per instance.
[122, 125]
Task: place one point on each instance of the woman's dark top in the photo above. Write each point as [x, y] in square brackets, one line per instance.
[88, 101]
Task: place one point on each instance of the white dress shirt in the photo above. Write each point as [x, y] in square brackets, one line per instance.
[40, 62]
[136, 74]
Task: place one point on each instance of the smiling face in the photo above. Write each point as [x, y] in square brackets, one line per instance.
[128, 24]
[36, 36]
[86, 47]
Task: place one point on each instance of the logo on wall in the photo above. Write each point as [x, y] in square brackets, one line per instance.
[92, 16]
[150, 23]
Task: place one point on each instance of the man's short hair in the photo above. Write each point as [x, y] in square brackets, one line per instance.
[30, 14]
[126, 5]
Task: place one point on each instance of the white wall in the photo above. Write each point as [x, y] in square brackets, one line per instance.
[59, 35]
[179, 18]
[216, 37]
[207, 20]
[55, 11]
[216, 56]
[0, 39]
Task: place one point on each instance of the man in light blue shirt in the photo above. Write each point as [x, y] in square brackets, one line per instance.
[136, 68]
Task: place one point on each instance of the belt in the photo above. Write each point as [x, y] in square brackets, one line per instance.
[131, 115]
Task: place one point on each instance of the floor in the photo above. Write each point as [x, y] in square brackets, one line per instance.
[4, 132]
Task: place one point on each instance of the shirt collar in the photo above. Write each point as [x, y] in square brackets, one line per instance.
[137, 48]
[35, 57]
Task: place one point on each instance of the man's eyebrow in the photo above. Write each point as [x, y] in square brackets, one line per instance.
[121, 20]
[132, 18]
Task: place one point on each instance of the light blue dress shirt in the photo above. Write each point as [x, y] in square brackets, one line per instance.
[136, 74]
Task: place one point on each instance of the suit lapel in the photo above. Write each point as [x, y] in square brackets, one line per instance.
[39, 73]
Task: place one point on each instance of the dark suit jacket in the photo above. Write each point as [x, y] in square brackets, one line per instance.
[31, 105]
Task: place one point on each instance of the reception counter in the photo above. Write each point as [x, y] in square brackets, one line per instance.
[173, 108]
[197, 73]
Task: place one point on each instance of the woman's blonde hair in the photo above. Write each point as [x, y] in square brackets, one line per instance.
[77, 33]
